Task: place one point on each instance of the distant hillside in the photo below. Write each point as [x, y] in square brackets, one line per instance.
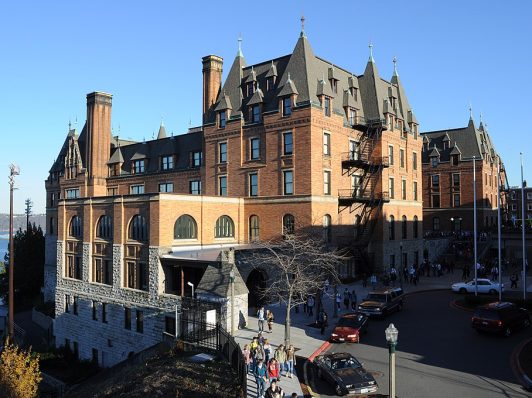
[19, 221]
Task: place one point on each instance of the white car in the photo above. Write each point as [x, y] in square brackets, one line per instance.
[483, 285]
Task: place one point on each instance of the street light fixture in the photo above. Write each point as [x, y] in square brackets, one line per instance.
[391, 334]
[192, 286]
[14, 170]
[232, 280]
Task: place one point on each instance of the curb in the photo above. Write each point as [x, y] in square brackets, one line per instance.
[438, 289]
[456, 306]
[322, 348]
[516, 365]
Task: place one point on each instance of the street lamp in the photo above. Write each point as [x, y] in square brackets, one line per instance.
[401, 271]
[192, 286]
[232, 280]
[391, 334]
[13, 171]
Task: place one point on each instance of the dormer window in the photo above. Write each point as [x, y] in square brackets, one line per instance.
[354, 93]
[114, 169]
[327, 106]
[250, 89]
[454, 160]
[287, 106]
[255, 113]
[138, 166]
[270, 83]
[352, 116]
[434, 161]
[167, 162]
[222, 119]
[334, 86]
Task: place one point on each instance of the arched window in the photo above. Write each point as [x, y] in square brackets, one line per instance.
[415, 227]
[327, 228]
[104, 229]
[225, 227]
[138, 228]
[51, 229]
[288, 224]
[357, 225]
[403, 228]
[253, 227]
[185, 227]
[76, 229]
[392, 228]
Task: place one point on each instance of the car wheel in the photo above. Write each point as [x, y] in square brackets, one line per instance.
[462, 290]
[493, 291]
[338, 390]
[507, 331]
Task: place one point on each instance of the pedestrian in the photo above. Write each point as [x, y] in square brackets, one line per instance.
[274, 390]
[326, 286]
[494, 273]
[322, 320]
[290, 360]
[513, 279]
[246, 353]
[373, 281]
[346, 298]
[353, 300]
[261, 317]
[280, 357]
[261, 377]
[273, 369]
[257, 356]
[269, 320]
[310, 305]
[393, 275]
[338, 300]
[267, 350]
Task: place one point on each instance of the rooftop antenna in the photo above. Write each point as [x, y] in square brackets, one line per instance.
[470, 110]
[240, 54]
[395, 67]
[69, 125]
[371, 52]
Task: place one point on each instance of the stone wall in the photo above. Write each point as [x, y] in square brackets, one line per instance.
[436, 247]
[50, 279]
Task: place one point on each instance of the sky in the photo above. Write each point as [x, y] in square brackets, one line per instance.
[451, 55]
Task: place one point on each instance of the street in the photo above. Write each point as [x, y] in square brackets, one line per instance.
[438, 353]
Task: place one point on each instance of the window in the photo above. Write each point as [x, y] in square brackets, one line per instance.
[288, 224]
[390, 154]
[76, 229]
[253, 228]
[454, 160]
[105, 228]
[404, 225]
[334, 86]
[255, 113]
[196, 158]
[356, 185]
[52, 226]
[352, 116]
[436, 224]
[434, 161]
[529, 195]
[225, 228]
[392, 260]
[435, 181]
[415, 227]
[136, 275]
[326, 144]
[222, 185]
[52, 199]
[414, 160]
[222, 119]
[456, 200]
[287, 106]
[253, 184]
[222, 152]
[390, 187]
[138, 228]
[111, 191]
[456, 180]
[288, 147]
[166, 187]
[254, 145]
[436, 201]
[138, 166]
[529, 206]
[127, 318]
[94, 310]
[72, 193]
[167, 163]
[67, 303]
[414, 189]
[73, 267]
[288, 182]
[326, 182]
[327, 106]
[114, 169]
[270, 83]
[402, 158]
[185, 227]
[136, 189]
[140, 322]
[195, 187]
[250, 89]
[102, 271]
[391, 225]
[327, 228]
[354, 92]
[104, 312]
[354, 150]
[403, 189]
[75, 305]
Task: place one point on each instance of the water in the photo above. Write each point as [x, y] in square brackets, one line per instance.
[4, 240]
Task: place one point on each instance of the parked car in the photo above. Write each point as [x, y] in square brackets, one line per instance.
[346, 374]
[349, 328]
[381, 303]
[484, 286]
[500, 317]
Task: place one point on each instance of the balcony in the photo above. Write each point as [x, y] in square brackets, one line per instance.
[346, 197]
[362, 160]
[362, 124]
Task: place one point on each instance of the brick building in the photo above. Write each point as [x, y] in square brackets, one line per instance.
[448, 179]
[293, 142]
[514, 208]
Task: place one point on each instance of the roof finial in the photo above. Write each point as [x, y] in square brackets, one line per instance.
[162, 122]
[303, 26]
[470, 111]
[239, 54]
[69, 125]
[480, 117]
[395, 67]
[371, 52]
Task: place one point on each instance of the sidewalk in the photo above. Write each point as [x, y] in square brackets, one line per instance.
[307, 339]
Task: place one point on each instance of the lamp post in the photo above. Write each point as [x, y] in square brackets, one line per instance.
[401, 271]
[232, 280]
[192, 286]
[13, 171]
[475, 220]
[523, 226]
[499, 225]
[391, 334]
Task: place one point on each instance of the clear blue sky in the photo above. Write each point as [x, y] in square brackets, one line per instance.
[148, 55]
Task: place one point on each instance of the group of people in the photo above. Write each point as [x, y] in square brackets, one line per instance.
[268, 365]
[265, 316]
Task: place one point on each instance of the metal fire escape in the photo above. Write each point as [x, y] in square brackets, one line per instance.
[365, 168]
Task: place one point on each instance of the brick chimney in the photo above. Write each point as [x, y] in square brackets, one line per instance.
[98, 142]
[212, 82]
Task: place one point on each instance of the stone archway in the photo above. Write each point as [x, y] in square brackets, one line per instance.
[256, 281]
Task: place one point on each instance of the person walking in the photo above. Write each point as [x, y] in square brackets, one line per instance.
[353, 300]
[246, 353]
[290, 360]
[338, 300]
[262, 317]
[274, 390]
[267, 350]
[280, 357]
[269, 320]
[513, 279]
[393, 275]
[322, 321]
[273, 369]
[310, 305]
[346, 298]
[261, 377]
[373, 281]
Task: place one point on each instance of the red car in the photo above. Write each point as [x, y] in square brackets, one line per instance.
[349, 328]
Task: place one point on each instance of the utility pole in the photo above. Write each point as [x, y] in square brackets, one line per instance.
[29, 205]
[13, 171]
[475, 221]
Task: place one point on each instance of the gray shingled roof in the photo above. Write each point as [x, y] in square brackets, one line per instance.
[216, 280]
[162, 132]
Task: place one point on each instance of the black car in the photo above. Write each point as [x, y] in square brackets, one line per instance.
[381, 303]
[500, 317]
[346, 374]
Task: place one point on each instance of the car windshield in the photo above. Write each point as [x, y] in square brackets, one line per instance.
[486, 314]
[377, 297]
[345, 363]
[352, 322]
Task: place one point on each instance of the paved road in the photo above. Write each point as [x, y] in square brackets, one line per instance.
[438, 354]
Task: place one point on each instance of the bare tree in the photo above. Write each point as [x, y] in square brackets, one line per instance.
[298, 266]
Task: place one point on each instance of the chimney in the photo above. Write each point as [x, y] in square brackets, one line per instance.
[212, 82]
[98, 142]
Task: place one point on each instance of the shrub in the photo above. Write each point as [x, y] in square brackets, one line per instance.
[19, 373]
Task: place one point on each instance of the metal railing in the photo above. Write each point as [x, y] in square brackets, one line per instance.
[359, 194]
